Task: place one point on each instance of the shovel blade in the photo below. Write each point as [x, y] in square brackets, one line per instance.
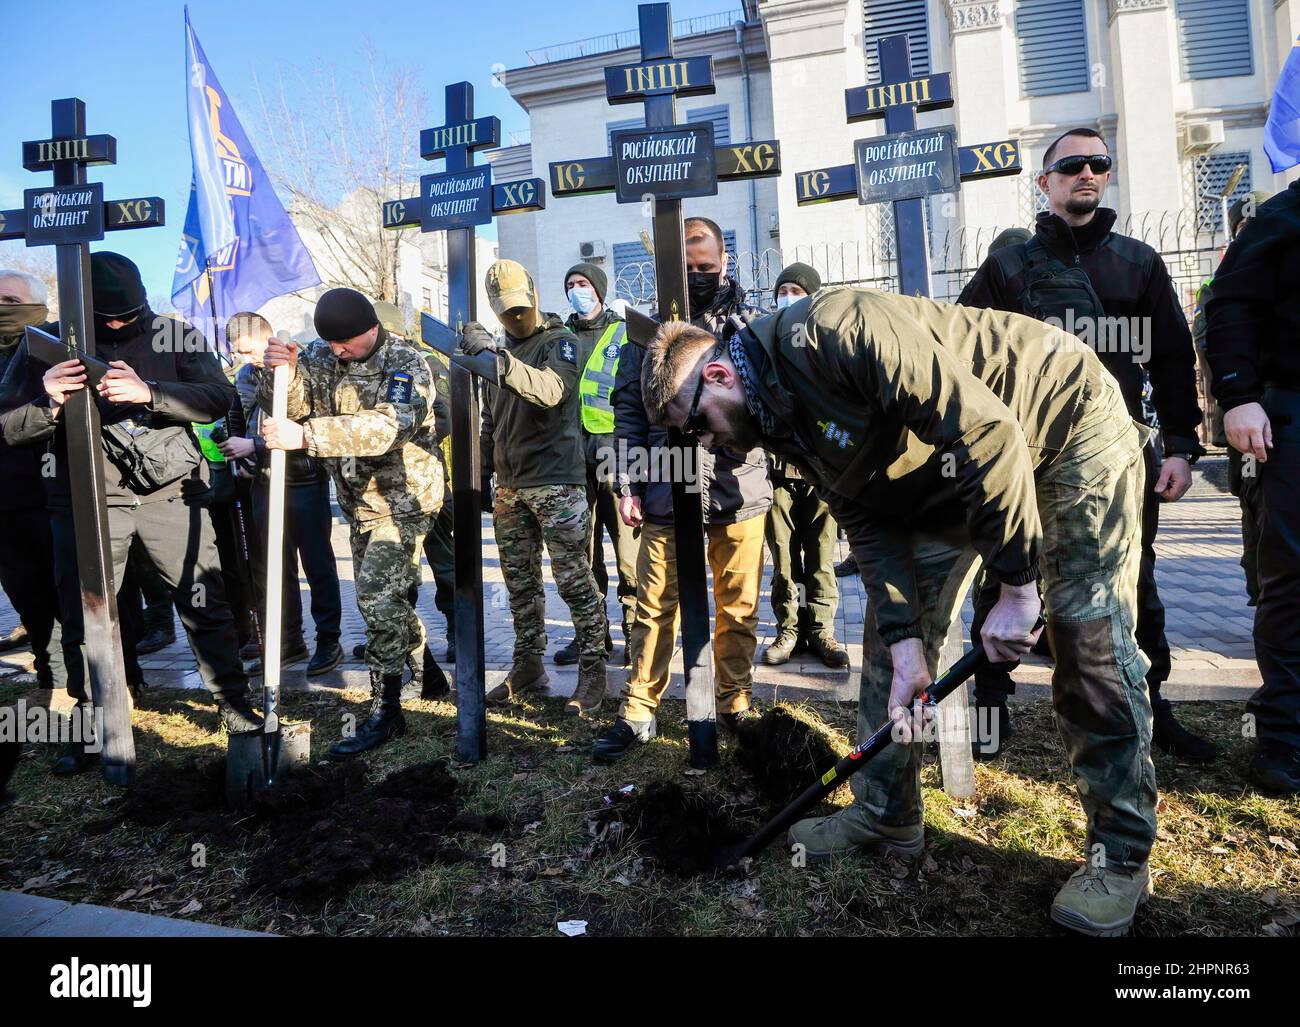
[246, 770]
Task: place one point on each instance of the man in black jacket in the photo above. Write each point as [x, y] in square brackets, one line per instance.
[1253, 322]
[26, 550]
[737, 496]
[163, 378]
[1114, 292]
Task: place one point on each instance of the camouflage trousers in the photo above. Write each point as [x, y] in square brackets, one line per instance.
[555, 516]
[386, 568]
[1090, 502]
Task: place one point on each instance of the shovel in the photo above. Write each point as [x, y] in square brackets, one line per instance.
[858, 758]
[256, 759]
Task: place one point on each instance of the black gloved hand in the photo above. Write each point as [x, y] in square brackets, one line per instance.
[487, 495]
[475, 339]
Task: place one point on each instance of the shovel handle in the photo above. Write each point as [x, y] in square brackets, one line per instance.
[859, 757]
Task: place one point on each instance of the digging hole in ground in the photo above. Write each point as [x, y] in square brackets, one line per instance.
[325, 829]
[783, 755]
[683, 832]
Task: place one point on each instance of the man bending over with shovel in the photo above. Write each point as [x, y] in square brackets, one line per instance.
[940, 436]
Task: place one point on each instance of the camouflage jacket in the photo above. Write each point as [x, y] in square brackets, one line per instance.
[371, 422]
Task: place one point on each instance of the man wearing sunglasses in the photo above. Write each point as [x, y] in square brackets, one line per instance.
[1114, 292]
[932, 456]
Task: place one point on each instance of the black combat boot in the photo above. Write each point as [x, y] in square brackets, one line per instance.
[80, 753]
[386, 720]
[567, 655]
[329, 654]
[427, 676]
[1169, 736]
[620, 738]
[450, 655]
[237, 715]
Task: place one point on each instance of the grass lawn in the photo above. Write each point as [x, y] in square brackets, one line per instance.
[528, 838]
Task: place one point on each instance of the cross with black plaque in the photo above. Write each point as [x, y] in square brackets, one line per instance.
[69, 216]
[664, 163]
[907, 164]
[456, 201]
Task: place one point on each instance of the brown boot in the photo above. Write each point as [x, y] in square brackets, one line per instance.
[527, 674]
[590, 692]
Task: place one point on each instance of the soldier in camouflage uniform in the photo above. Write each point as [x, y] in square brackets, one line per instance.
[530, 437]
[363, 403]
[933, 452]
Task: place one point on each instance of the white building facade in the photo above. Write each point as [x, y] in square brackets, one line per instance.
[1179, 89]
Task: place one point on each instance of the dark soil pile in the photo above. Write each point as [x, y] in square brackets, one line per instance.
[783, 755]
[327, 831]
[682, 832]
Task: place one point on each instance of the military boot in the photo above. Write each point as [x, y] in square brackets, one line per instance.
[782, 649]
[432, 681]
[1101, 902]
[850, 830]
[568, 654]
[590, 693]
[527, 674]
[80, 753]
[385, 721]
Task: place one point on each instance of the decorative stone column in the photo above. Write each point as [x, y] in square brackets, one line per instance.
[1144, 68]
[984, 79]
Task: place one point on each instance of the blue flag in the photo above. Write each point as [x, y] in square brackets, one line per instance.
[1282, 132]
[239, 248]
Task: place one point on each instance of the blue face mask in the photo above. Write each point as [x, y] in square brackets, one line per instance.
[784, 301]
[582, 299]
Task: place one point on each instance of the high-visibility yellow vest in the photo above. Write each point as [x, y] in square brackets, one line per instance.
[598, 380]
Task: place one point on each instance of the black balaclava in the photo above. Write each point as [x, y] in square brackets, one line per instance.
[117, 294]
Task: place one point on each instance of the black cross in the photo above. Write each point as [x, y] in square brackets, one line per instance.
[69, 217]
[898, 98]
[657, 80]
[455, 201]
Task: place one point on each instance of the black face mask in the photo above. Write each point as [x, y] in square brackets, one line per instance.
[105, 334]
[701, 290]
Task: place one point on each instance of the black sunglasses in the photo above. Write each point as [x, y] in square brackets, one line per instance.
[696, 423]
[1099, 162]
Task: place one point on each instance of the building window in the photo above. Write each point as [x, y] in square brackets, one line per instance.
[889, 18]
[427, 294]
[634, 269]
[1211, 172]
[721, 118]
[1052, 40]
[1214, 38]
[617, 126]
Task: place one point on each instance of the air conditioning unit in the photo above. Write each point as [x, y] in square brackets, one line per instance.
[1202, 137]
[593, 251]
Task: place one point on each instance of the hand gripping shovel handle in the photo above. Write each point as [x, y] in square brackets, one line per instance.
[858, 758]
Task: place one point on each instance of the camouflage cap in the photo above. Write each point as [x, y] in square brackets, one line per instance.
[390, 317]
[510, 285]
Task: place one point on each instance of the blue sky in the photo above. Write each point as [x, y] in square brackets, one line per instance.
[125, 59]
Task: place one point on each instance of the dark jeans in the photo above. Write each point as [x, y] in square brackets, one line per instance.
[1276, 704]
[177, 540]
[306, 537]
[602, 508]
[1243, 482]
[994, 684]
[801, 539]
[221, 499]
[442, 560]
[27, 576]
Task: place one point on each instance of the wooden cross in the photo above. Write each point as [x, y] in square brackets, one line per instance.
[905, 165]
[69, 217]
[457, 201]
[665, 162]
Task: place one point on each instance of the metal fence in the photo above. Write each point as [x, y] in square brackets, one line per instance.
[632, 37]
[1190, 254]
